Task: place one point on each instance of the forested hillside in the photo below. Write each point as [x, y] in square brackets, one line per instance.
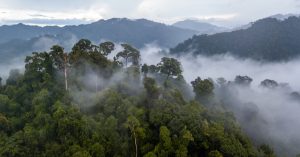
[200, 27]
[82, 104]
[20, 40]
[268, 39]
[138, 32]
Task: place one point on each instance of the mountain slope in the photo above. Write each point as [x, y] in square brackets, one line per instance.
[20, 40]
[137, 32]
[200, 27]
[24, 32]
[283, 16]
[267, 39]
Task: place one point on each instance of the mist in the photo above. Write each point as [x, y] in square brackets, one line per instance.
[229, 67]
[43, 43]
[16, 63]
[95, 85]
[268, 115]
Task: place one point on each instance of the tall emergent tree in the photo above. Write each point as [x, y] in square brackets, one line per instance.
[39, 70]
[202, 88]
[98, 58]
[170, 67]
[133, 125]
[106, 48]
[129, 53]
[61, 61]
[145, 70]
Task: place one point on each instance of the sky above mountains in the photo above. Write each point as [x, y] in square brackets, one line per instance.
[229, 13]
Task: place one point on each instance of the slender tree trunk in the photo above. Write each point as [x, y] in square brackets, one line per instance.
[135, 143]
[66, 73]
[66, 79]
[169, 73]
[96, 83]
[166, 81]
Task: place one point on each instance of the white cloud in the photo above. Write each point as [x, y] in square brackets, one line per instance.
[92, 14]
[222, 12]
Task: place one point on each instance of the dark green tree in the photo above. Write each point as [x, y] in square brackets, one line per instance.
[106, 48]
[151, 88]
[133, 124]
[164, 148]
[268, 152]
[129, 53]
[145, 69]
[61, 61]
[202, 88]
[267, 83]
[83, 45]
[243, 80]
[170, 67]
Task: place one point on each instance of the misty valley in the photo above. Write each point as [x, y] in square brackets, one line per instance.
[126, 87]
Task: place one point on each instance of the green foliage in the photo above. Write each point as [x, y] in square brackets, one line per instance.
[170, 67]
[106, 48]
[215, 153]
[267, 151]
[203, 88]
[129, 54]
[4, 123]
[145, 69]
[151, 88]
[38, 117]
[0, 82]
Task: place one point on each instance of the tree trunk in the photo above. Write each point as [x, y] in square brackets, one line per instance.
[135, 143]
[66, 79]
[96, 83]
[66, 72]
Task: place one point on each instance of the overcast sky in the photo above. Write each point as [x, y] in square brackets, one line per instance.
[222, 12]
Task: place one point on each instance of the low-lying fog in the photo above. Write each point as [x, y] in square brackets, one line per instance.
[5, 68]
[228, 67]
[269, 116]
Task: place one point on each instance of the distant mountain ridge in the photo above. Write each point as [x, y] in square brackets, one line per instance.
[137, 32]
[283, 16]
[25, 32]
[19, 40]
[200, 27]
[267, 39]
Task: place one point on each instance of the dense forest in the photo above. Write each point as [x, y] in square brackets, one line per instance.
[267, 39]
[83, 104]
